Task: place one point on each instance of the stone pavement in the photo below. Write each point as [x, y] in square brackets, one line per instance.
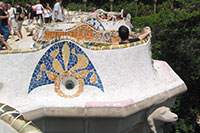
[26, 42]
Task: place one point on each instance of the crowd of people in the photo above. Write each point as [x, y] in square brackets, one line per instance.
[13, 16]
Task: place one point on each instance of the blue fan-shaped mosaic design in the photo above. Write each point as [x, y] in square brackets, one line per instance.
[56, 54]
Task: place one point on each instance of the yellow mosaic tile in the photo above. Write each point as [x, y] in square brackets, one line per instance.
[93, 78]
[42, 68]
[15, 51]
[39, 76]
[57, 66]
[4, 51]
[66, 53]
[54, 53]
[82, 74]
[27, 50]
[51, 76]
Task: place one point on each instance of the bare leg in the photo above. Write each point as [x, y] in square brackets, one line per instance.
[11, 28]
[4, 43]
[7, 46]
[20, 32]
[19, 36]
[20, 29]
[17, 30]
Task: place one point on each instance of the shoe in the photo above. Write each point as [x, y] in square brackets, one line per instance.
[16, 40]
[29, 35]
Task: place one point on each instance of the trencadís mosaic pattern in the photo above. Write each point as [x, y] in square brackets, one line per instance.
[95, 23]
[63, 62]
[16, 120]
[83, 32]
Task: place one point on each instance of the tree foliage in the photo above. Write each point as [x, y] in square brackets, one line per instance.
[180, 47]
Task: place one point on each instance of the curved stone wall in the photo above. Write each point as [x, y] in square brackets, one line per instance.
[124, 74]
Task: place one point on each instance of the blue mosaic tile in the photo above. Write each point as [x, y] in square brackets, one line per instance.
[47, 61]
[95, 23]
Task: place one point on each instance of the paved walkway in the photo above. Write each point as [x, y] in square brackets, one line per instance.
[26, 42]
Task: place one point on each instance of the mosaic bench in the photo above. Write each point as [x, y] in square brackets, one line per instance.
[84, 32]
[41, 44]
[69, 78]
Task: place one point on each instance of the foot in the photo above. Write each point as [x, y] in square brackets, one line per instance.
[16, 40]
[9, 48]
[30, 35]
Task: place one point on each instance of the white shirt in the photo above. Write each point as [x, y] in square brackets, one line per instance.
[47, 13]
[11, 12]
[38, 8]
[67, 13]
[57, 9]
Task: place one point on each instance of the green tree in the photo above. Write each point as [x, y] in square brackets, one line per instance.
[180, 47]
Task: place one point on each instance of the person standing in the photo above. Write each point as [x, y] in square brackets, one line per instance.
[57, 12]
[11, 12]
[47, 13]
[30, 12]
[30, 15]
[39, 11]
[67, 14]
[19, 18]
[4, 29]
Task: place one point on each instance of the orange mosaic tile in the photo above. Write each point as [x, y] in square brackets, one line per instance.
[76, 33]
[84, 32]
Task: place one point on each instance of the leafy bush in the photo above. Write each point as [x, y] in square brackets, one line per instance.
[75, 6]
[180, 47]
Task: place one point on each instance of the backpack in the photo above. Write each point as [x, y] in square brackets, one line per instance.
[22, 14]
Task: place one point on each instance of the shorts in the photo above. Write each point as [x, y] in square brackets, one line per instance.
[39, 16]
[19, 26]
[48, 19]
[12, 24]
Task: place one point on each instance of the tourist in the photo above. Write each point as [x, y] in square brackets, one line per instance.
[94, 9]
[67, 12]
[57, 12]
[4, 21]
[11, 12]
[19, 18]
[104, 17]
[124, 35]
[39, 12]
[3, 44]
[47, 13]
[68, 15]
[30, 16]
[34, 12]
[30, 13]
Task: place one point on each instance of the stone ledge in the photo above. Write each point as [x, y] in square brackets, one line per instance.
[119, 112]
